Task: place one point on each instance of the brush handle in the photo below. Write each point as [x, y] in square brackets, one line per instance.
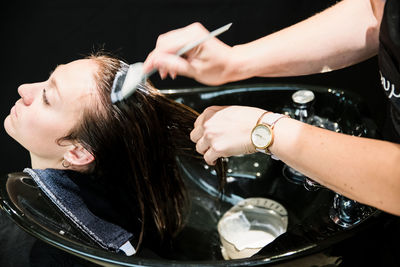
[212, 34]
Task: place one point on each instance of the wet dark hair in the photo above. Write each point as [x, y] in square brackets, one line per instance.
[135, 149]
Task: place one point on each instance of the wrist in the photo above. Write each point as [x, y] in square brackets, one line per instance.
[281, 129]
[238, 66]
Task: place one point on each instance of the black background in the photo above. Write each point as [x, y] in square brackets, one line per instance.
[36, 36]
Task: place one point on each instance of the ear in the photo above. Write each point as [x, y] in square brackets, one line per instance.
[78, 156]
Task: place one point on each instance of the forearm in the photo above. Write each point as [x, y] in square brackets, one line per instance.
[342, 35]
[362, 169]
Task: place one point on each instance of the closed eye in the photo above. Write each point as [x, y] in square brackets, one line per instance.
[44, 97]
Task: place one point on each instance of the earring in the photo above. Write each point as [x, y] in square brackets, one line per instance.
[65, 164]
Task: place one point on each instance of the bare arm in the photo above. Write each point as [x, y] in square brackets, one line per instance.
[362, 169]
[342, 35]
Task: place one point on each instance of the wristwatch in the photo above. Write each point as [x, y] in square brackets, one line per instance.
[262, 135]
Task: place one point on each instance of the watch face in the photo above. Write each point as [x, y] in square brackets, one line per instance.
[261, 136]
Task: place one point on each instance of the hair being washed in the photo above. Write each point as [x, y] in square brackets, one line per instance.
[135, 148]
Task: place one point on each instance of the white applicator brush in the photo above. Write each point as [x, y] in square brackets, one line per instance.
[125, 83]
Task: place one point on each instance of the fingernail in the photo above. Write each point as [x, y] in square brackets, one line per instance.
[162, 76]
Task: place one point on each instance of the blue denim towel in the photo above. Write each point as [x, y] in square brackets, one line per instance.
[66, 195]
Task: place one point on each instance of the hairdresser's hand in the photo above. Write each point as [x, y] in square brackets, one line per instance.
[223, 131]
[207, 63]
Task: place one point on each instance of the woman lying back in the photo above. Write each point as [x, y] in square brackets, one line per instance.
[69, 122]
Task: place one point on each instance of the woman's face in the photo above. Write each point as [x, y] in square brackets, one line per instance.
[48, 110]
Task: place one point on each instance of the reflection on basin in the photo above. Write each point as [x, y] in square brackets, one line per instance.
[309, 228]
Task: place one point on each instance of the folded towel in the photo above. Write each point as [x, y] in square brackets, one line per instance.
[67, 196]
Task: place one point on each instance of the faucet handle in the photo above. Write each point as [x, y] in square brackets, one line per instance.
[302, 103]
[303, 97]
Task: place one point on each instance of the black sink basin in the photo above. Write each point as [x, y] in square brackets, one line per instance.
[310, 228]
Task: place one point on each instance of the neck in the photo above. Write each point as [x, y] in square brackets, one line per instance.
[42, 163]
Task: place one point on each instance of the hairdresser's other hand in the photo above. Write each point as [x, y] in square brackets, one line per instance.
[207, 63]
[223, 131]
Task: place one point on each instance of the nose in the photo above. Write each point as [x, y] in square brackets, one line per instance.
[27, 93]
